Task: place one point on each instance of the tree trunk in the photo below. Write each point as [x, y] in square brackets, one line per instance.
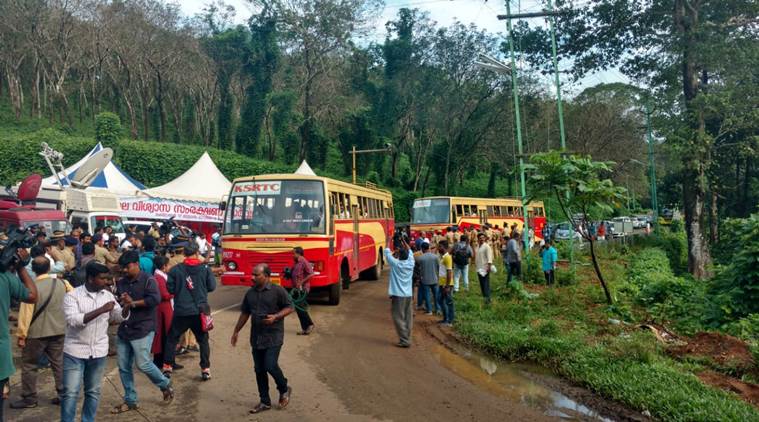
[447, 168]
[132, 116]
[695, 159]
[598, 271]
[305, 129]
[747, 206]
[161, 111]
[492, 178]
[713, 217]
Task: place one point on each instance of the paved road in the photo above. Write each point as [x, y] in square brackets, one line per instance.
[348, 370]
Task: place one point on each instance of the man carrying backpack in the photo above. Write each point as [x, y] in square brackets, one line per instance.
[462, 254]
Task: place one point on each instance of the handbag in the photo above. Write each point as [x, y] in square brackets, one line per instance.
[206, 319]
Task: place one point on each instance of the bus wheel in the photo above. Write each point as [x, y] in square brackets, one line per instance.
[374, 272]
[345, 276]
[334, 294]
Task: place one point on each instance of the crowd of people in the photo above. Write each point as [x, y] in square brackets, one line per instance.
[437, 266]
[85, 296]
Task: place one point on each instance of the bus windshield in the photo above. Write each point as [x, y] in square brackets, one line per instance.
[276, 207]
[432, 211]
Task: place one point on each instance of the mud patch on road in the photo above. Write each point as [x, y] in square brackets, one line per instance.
[529, 384]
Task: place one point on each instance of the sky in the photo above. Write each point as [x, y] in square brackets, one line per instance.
[445, 12]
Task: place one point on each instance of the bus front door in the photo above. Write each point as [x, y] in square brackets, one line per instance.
[356, 238]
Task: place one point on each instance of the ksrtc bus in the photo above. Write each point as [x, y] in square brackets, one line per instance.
[343, 229]
[440, 212]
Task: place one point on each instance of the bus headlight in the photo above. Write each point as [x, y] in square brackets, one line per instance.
[231, 266]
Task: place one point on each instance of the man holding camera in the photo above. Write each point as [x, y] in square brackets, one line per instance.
[18, 286]
[400, 289]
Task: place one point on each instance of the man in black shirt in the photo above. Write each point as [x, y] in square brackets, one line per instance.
[269, 304]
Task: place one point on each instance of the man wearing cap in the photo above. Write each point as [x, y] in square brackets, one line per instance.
[56, 246]
[138, 292]
[101, 253]
[68, 253]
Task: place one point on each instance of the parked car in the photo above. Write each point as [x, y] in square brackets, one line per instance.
[639, 222]
[565, 231]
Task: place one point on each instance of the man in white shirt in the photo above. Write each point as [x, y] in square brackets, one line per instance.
[202, 245]
[484, 262]
[88, 310]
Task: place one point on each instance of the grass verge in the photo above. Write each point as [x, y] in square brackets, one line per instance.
[568, 330]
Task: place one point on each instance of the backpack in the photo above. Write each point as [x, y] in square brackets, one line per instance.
[461, 255]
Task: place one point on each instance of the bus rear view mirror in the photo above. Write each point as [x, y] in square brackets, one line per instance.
[223, 205]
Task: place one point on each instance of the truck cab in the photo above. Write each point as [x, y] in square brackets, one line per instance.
[23, 217]
[87, 208]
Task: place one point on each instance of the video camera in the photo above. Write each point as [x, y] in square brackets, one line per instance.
[17, 238]
[398, 238]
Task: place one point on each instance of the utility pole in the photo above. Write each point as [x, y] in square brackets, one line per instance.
[508, 17]
[518, 122]
[652, 165]
[354, 151]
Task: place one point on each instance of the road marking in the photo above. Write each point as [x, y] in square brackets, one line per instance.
[236, 305]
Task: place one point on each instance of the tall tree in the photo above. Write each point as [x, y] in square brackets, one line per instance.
[680, 47]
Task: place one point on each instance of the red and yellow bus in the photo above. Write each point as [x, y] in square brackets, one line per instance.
[437, 213]
[343, 229]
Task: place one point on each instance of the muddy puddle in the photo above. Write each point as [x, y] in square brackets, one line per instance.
[515, 382]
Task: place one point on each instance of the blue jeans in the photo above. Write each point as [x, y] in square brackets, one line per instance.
[445, 302]
[458, 272]
[424, 296]
[74, 371]
[137, 352]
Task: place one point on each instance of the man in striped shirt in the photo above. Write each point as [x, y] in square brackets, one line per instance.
[88, 309]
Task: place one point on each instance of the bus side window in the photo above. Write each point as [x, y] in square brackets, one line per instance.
[466, 211]
[491, 211]
[374, 208]
[348, 206]
[474, 210]
[460, 210]
[454, 220]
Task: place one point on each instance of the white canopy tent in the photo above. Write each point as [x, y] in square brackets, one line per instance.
[202, 182]
[194, 196]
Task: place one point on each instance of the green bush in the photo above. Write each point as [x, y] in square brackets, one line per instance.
[674, 244]
[107, 128]
[735, 287]
[668, 298]
[152, 163]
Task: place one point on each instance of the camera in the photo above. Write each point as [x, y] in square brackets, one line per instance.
[16, 239]
[287, 273]
[398, 239]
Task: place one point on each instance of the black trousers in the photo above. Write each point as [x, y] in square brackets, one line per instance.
[485, 286]
[2, 400]
[303, 316]
[266, 362]
[550, 277]
[179, 325]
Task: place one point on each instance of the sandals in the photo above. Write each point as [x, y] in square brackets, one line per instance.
[123, 408]
[260, 407]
